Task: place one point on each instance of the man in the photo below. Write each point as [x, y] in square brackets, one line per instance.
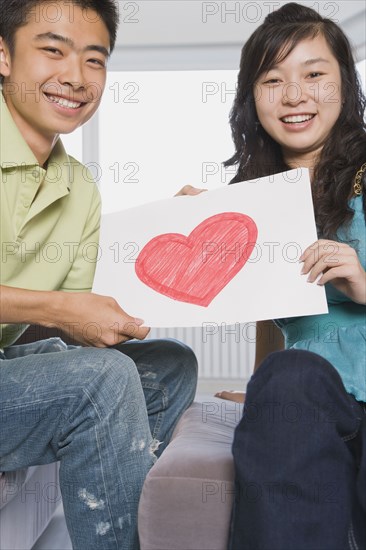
[84, 406]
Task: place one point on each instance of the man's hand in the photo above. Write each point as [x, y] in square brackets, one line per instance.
[90, 319]
[96, 320]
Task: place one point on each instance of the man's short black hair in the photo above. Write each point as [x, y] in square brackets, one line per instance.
[16, 13]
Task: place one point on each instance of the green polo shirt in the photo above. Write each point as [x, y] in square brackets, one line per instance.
[49, 220]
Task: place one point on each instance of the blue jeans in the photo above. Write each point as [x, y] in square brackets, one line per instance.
[300, 459]
[105, 415]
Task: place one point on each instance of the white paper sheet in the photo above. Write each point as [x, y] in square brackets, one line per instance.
[225, 256]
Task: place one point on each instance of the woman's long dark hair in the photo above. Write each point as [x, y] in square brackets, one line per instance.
[257, 154]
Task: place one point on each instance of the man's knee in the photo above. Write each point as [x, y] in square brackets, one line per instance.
[183, 361]
[187, 358]
[108, 366]
[112, 384]
[175, 357]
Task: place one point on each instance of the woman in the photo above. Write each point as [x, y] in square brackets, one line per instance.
[300, 448]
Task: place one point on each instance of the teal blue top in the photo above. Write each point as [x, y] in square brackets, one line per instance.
[340, 335]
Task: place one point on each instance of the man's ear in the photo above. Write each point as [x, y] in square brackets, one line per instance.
[4, 58]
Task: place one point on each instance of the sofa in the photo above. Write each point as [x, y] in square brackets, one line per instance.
[187, 496]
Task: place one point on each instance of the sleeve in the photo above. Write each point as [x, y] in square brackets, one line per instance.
[85, 257]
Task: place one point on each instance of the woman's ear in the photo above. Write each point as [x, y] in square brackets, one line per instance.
[4, 58]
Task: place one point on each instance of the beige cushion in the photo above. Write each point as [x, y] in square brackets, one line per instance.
[187, 496]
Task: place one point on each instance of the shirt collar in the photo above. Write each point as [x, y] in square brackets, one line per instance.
[59, 166]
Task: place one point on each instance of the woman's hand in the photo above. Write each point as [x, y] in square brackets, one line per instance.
[338, 264]
[189, 190]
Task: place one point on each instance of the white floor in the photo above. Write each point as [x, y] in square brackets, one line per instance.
[213, 385]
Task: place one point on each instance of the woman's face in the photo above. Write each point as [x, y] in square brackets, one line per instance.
[299, 100]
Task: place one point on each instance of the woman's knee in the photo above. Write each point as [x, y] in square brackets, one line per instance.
[295, 372]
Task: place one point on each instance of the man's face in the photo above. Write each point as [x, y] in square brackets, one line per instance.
[53, 81]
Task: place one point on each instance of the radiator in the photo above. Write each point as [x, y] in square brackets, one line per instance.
[222, 351]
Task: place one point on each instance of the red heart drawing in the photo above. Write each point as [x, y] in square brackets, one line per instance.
[196, 268]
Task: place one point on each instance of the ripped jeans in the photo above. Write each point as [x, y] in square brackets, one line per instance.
[105, 415]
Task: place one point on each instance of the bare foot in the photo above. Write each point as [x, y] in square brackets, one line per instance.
[237, 396]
